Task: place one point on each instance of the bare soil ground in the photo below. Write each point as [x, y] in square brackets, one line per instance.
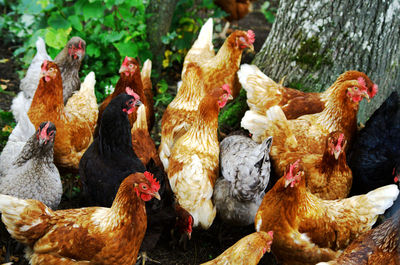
[204, 245]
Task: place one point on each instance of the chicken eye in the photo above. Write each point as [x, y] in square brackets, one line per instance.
[51, 133]
[144, 187]
[131, 66]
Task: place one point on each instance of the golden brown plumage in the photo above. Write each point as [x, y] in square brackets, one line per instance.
[94, 235]
[75, 123]
[221, 68]
[182, 111]
[263, 93]
[248, 250]
[380, 245]
[308, 229]
[194, 162]
[309, 132]
[327, 175]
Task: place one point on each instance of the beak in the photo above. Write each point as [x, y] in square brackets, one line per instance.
[287, 183]
[157, 195]
[122, 69]
[138, 103]
[189, 235]
[79, 53]
[365, 94]
[251, 47]
[230, 97]
[42, 141]
[42, 74]
[336, 153]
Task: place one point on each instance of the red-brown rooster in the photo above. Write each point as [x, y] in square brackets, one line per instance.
[93, 235]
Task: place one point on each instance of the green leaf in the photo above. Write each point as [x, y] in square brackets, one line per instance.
[93, 10]
[93, 50]
[75, 22]
[57, 38]
[127, 49]
[109, 21]
[58, 22]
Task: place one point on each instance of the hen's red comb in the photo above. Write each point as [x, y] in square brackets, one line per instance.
[132, 93]
[251, 36]
[227, 88]
[126, 60]
[293, 166]
[44, 65]
[80, 44]
[155, 185]
[43, 132]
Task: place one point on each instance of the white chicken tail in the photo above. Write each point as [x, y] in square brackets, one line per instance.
[262, 91]
[24, 129]
[146, 69]
[17, 220]
[41, 48]
[141, 120]
[380, 199]
[256, 124]
[204, 40]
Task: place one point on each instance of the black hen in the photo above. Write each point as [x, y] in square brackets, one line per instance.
[375, 152]
[110, 158]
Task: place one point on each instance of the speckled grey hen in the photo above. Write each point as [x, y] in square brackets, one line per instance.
[245, 168]
[69, 61]
[32, 173]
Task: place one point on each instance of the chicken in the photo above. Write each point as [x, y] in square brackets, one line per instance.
[32, 173]
[310, 131]
[148, 92]
[263, 92]
[181, 112]
[236, 9]
[74, 131]
[380, 245]
[308, 229]
[376, 149]
[29, 83]
[248, 250]
[68, 60]
[327, 175]
[193, 165]
[245, 169]
[130, 77]
[220, 68]
[94, 235]
[110, 158]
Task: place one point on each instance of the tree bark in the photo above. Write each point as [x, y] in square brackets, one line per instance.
[158, 25]
[313, 41]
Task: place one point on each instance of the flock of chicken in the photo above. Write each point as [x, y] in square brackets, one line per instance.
[305, 216]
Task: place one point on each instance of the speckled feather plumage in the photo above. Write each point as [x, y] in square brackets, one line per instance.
[245, 169]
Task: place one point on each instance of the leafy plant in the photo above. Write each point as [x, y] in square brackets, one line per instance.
[7, 124]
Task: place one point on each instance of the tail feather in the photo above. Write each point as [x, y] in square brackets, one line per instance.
[41, 48]
[22, 226]
[380, 199]
[24, 129]
[141, 121]
[256, 124]
[146, 69]
[204, 40]
[262, 91]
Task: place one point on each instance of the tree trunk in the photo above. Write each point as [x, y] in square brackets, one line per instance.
[158, 25]
[313, 41]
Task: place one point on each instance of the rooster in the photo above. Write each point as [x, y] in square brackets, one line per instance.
[94, 235]
[74, 131]
[31, 173]
[380, 245]
[308, 229]
[220, 68]
[308, 132]
[328, 175]
[248, 250]
[181, 112]
[263, 93]
[245, 169]
[68, 60]
[193, 165]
